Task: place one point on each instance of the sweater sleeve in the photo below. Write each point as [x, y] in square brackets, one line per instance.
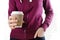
[48, 13]
[12, 7]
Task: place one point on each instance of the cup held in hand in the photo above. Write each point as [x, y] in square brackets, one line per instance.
[19, 15]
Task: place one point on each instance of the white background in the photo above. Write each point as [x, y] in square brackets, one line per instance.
[52, 33]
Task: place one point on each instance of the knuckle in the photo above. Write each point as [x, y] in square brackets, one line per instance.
[15, 18]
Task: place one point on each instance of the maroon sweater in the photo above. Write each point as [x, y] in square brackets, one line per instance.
[32, 17]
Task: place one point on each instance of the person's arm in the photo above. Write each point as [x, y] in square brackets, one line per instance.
[12, 7]
[48, 12]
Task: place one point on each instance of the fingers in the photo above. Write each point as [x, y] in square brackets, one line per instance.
[12, 22]
[12, 27]
[36, 34]
[39, 33]
[12, 17]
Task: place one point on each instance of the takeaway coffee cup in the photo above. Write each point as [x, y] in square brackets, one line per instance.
[19, 15]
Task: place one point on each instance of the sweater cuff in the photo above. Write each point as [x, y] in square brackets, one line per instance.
[44, 26]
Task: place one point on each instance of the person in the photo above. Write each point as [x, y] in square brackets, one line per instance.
[32, 28]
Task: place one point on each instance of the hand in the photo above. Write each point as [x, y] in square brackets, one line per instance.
[39, 33]
[12, 22]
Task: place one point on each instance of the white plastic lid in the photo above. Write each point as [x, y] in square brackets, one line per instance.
[17, 12]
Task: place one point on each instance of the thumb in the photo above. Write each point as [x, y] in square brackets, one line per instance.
[36, 34]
